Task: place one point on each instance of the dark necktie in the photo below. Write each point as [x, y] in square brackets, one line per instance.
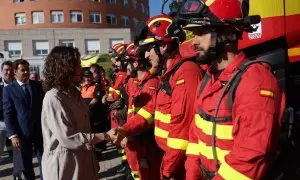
[27, 94]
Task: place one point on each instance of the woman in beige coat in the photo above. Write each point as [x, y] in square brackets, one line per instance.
[68, 143]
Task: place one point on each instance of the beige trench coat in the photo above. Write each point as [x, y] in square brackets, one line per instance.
[68, 153]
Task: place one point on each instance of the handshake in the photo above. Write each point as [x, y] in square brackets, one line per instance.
[117, 136]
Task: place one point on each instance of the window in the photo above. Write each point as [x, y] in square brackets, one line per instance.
[40, 48]
[14, 48]
[92, 46]
[111, 19]
[95, 17]
[115, 41]
[67, 43]
[35, 68]
[111, 1]
[76, 16]
[37, 17]
[20, 18]
[124, 2]
[125, 20]
[142, 8]
[18, 1]
[57, 17]
[134, 3]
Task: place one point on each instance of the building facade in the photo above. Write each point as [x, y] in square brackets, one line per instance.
[31, 28]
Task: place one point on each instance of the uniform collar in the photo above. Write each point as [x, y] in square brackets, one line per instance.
[146, 75]
[231, 68]
[21, 83]
[174, 61]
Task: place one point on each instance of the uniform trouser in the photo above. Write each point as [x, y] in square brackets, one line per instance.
[113, 119]
[144, 158]
[36, 143]
[2, 137]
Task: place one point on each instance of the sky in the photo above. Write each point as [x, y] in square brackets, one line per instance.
[155, 7]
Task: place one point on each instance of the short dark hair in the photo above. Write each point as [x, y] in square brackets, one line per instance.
[96, 66]
[17, 62]
[6, 63]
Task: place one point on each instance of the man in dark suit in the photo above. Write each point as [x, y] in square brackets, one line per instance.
[7, 78]
[22, 106]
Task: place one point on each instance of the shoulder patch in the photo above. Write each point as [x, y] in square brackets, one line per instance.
[180, 82]
[267, 93]
[150, 87]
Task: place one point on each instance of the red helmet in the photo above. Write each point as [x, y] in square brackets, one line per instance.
[131, 51]
[215, 13]
[118, 50]
[157, 29]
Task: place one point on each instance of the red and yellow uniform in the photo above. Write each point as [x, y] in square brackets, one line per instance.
[173, 116]
[115, 93]
[245, 137]
[145, 159]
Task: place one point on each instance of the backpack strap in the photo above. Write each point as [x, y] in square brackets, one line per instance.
[145, 81]
[165, 84]
[238, 76]
[204, 82]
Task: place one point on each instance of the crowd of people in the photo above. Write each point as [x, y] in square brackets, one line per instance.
[215, 115]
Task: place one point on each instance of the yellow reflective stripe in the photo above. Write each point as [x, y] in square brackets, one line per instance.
[206, 151]
[209, 2]
[294, 51]
[165, 118]
[111, 89]
[159, 19]
[268, 93]
[118, 92]
[263, 8]
[148, 40]
[292, 7]
[177, 143]
[192, 149]
[222, 131]
[130, 111]
[145, 114]
[180, 82]
[160, 132]
[228, 172]
[124, 158]
[135, 175]
[151, 88]
[131, 44]
[119, 49]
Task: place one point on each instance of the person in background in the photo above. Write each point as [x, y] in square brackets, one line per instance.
[22, 105]
[68, 141]
[92, 97]
[34, 76]
[7, 78]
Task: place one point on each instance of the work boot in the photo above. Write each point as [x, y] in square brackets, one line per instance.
[122, 170]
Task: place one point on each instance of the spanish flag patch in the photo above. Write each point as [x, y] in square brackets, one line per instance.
[180, 82]
[267, 93]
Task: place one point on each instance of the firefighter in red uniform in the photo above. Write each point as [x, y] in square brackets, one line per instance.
[175, 98]
[118, 51]
[239, 105]
[144, 156]
[131, 88]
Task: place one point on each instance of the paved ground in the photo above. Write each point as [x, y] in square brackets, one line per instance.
[109, 163]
